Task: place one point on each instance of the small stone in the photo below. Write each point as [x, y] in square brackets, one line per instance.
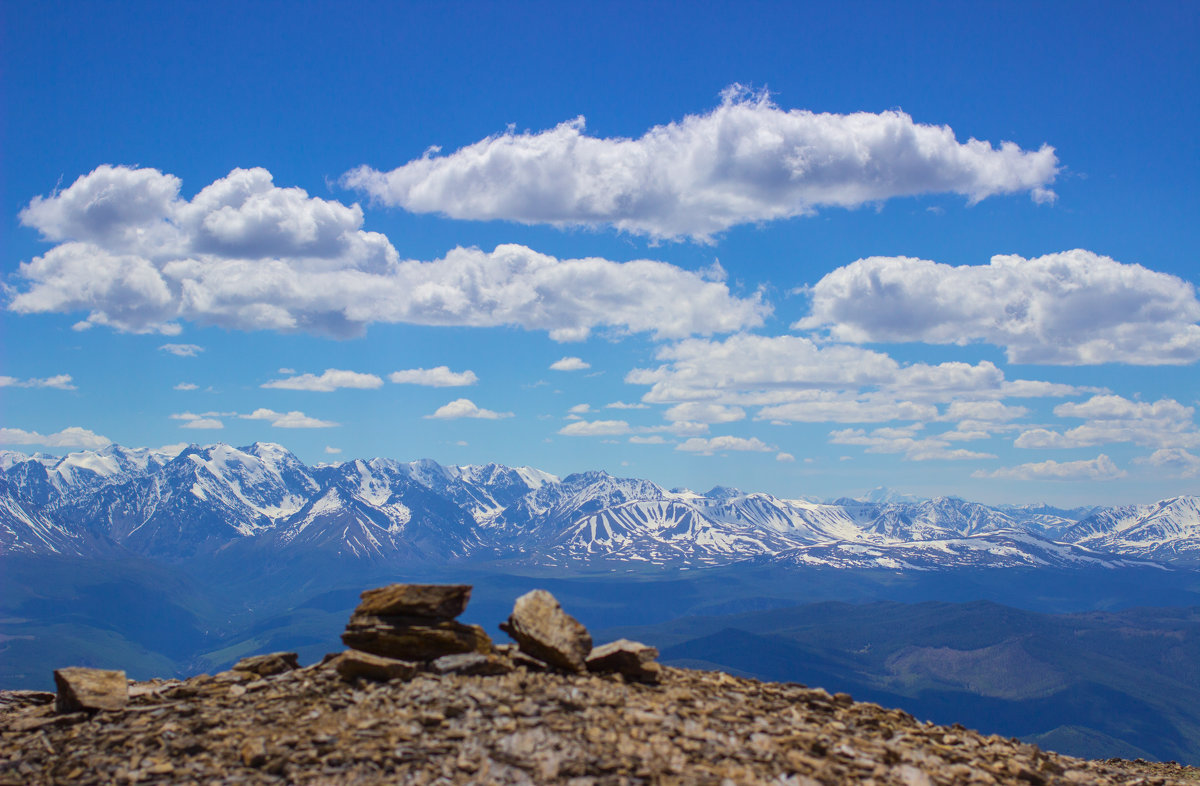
[414, 638]
[630, 658]
[471, 664]
[542, 629]
[254, 752]
[351, 665]
[435, 601]
[271, 663]
[90, 689]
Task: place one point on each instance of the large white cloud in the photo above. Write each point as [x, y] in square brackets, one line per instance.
[1161, 424]
[245, 254]
[327, 382]
[72, 436]
[890, 440]
[438, 377]
[745, 161]
[1069, 308]
[1099, 468]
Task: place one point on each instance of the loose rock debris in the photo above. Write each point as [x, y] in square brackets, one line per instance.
[503, 717]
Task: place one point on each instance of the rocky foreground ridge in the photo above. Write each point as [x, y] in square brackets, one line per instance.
[419, 698]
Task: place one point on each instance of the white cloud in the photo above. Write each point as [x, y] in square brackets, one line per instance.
[439, 377]
[247, 255]
[1162, 424]
[785, 457]
[465, 408]
[1182, 463]
[1069, 308]
[59, 381]
[746, 161]
[704, 413]
[183, 350]
[707, 447]
[654, 439]
[988, 411]
[203, 423]
[72, 436]
[570, 364]
[580, 409]
[1099, 468]
[595, 428]
[207, 420]
[291, 419]
[332, 451]
[331, 380]
[886, 440]
[186, 386]
[623, 405]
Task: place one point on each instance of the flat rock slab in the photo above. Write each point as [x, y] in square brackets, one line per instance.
[630, 658]
[414, 638]
[271, 663]
[90, 689]
[544, 631]
[471, 664]
[350, 665]
[435, 601]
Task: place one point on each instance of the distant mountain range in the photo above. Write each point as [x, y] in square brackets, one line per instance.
[224, 502]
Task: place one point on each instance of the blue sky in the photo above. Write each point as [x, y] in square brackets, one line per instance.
[760, 237]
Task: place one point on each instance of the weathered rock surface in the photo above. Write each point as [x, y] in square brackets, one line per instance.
[311, 727]
[437, 601]
[351, 665]
[81, 689]
[413, 638]
[470, 663]
[271, 663]
[630, 658]
[543, 630]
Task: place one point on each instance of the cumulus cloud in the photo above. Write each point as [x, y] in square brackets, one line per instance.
[653, 439]
[886, 440]
[705, 413]
[1070, 308]
[785, 457]
[1175, 460]
[291, 419]
[1099, 468]
[206, 420]
[59, 381]
[245, 254]
[570, 364]
[595, 428]
[624, 405]
[465, 408]
[329, 381]
[1162, 424]
[746, 161]
[439, 377]
[183, 350]
[707, 447]
[70, 437]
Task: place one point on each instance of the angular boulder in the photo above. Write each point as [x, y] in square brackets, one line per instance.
[413, 638]
[271, 663]
[83, 689]
[544, 631]
[350, 665]
[435, 601]
[471, 664]
[632, 659]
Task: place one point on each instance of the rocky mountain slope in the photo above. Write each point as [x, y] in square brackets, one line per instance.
[524, 722]
[247, 502]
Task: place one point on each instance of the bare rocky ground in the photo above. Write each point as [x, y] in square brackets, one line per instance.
[497, 715]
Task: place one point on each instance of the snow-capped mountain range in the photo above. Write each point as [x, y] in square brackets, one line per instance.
[219, 501]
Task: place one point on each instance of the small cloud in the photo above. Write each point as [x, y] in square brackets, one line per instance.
[1177, 460]
[329, 381]
[652, 440]
[287, 371]
[465, 408]
[595, 428]
[73, 436]
[570, 364]
[186, 386]
[328, 449]
[292, 419]
[209, 423]
[1099, 468]
[60, 382]
[784, 457]
[623, 405]
[182, 350]
[439, 377]
[462, 443]
[707, 447]
[580, 409]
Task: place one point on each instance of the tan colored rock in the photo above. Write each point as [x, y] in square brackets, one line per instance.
[351, 664]
[414, 638]
[543, 630]
[435, 601]
[271, 663]
[471, 664]
[630, 658]
[90, 689]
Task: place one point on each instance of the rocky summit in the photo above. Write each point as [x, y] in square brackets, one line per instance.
[503, 714]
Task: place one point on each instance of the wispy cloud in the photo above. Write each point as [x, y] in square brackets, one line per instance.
[746, 161]
[183, 350]
[59, 381]
[708, 447]
[1099, 468]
